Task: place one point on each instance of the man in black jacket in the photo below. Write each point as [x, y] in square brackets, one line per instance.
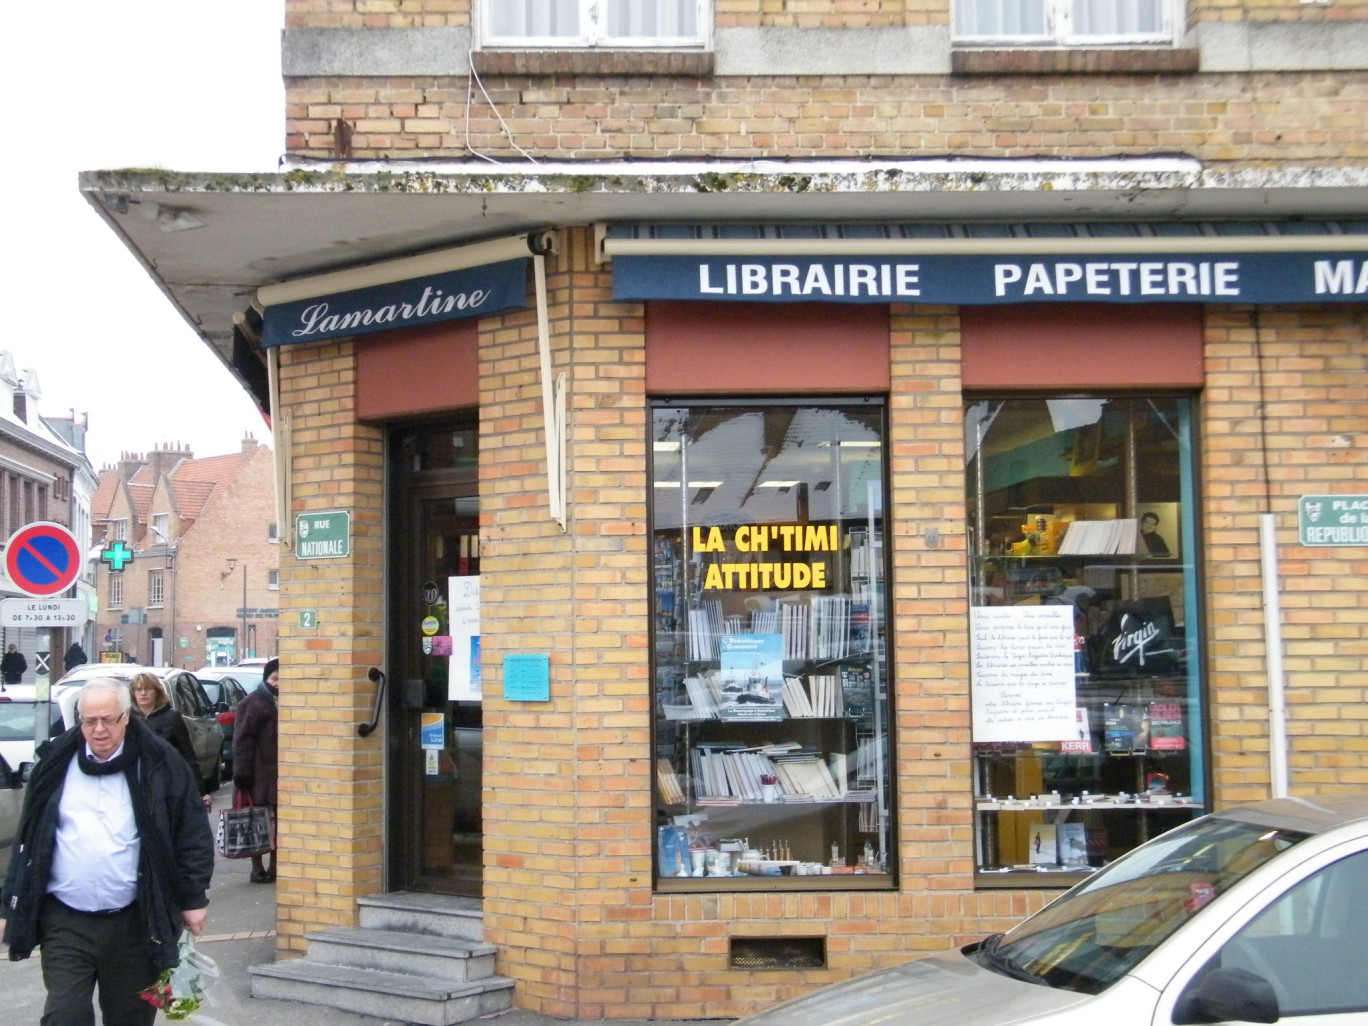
[112, 860]
[12, 665]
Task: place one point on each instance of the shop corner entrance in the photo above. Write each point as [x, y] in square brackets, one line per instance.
[435, 736]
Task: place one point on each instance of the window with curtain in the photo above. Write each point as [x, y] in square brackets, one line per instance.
[1067, 22]
[595, 23]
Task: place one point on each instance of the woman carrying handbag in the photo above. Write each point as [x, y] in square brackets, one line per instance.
[255, 754]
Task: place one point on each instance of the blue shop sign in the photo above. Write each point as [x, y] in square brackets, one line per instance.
[453, 295]
[948, 280]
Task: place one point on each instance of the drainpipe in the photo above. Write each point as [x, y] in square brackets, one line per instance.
[1273, 656]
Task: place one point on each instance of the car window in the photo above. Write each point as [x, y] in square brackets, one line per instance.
[1312, 943]
[18, 719]
[190, 697]
[1096, 933]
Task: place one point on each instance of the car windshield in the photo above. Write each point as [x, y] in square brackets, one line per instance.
[17, 720]
[1094, 934]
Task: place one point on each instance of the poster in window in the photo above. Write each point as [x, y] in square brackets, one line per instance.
[1022, 667]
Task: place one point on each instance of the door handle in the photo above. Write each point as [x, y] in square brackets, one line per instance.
[377, 677]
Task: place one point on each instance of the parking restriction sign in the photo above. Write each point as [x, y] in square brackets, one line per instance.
[42, 559]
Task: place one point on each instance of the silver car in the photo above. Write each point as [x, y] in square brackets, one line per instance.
[187, 695]
[1258, 913]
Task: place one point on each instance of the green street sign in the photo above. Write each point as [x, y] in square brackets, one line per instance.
[1332, 520]
[325, 535]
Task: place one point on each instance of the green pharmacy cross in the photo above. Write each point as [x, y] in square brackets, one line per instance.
[116, 555]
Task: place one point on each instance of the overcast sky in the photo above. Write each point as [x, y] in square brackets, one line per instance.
[190, 85]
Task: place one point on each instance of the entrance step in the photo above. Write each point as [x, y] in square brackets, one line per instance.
[436, 915]
[385, 995]
[417, 958]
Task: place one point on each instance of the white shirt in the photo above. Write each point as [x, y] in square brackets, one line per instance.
[95, 863]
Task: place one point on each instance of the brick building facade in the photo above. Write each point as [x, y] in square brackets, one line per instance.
[686, 207]
[199, 536]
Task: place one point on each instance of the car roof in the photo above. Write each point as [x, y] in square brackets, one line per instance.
[119, 671]
[1313, 815]
[19, 693]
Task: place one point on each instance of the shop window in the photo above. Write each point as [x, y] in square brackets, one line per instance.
[769, 646]
[1064, 22]
[595, 23]
[1085, 662]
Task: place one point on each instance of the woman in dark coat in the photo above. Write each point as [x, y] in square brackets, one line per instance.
[153, 704]
[255, 754]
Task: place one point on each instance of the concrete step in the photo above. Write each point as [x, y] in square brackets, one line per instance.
[445, 958]
[386, 995]
[437, 915]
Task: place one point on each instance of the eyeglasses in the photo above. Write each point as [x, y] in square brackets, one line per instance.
[101, 721]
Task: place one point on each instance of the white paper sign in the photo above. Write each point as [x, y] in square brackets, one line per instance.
[463, 594]
[1022, 663]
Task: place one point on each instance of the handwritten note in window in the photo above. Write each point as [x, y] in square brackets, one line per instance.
[1022, 664]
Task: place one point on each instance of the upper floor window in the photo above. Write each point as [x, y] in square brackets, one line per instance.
[273, 533]
[273, 580]
[1064, 22]
[595, 23]
[161, 527]
[120, 530]
[156, 587]
[116, 596]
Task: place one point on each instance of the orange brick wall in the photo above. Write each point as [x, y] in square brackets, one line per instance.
[331, 780]
[777, 13]
[1314, 117]
[568, 814]
[1285, 414]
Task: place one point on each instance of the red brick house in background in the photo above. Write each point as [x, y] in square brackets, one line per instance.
[199, 583]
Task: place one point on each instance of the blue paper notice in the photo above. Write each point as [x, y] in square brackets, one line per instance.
[527, 678]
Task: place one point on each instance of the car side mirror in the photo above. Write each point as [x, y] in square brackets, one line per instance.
[1226, 994]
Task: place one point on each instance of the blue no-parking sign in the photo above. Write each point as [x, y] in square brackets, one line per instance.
[42, 559]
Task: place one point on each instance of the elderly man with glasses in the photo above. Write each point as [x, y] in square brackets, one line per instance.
[112, 860]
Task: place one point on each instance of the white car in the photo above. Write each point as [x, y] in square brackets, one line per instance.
[1258, 913]
[22, 725]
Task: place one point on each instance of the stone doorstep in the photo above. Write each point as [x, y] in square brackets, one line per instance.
[389, 995]
[446, 958]
[428, 914]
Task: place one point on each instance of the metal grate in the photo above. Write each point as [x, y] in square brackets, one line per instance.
[778, 953]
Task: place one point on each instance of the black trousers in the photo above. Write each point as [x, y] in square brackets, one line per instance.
[83, 950]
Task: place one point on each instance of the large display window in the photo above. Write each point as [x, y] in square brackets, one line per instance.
[769, 645]
[1085, 644]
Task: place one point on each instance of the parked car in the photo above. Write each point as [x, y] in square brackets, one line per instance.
[187, 695]
[224, 692]
[11, 801]
[1258, 913]
[20, 716]
[247, 674]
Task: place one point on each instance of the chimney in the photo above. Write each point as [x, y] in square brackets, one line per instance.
[164, 458]
[129, 464]
[249, 444]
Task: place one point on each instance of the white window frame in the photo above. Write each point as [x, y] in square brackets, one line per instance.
[156, 587]
[273, 580]
[592, 23]
[1059, 27]
[116, 595]
[162, 522]
[120, 530]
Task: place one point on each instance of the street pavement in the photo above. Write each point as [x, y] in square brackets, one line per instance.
[240, 932]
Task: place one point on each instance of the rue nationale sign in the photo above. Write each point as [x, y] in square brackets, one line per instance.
[323, 535]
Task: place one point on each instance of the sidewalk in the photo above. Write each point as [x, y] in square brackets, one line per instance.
[240, 932]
